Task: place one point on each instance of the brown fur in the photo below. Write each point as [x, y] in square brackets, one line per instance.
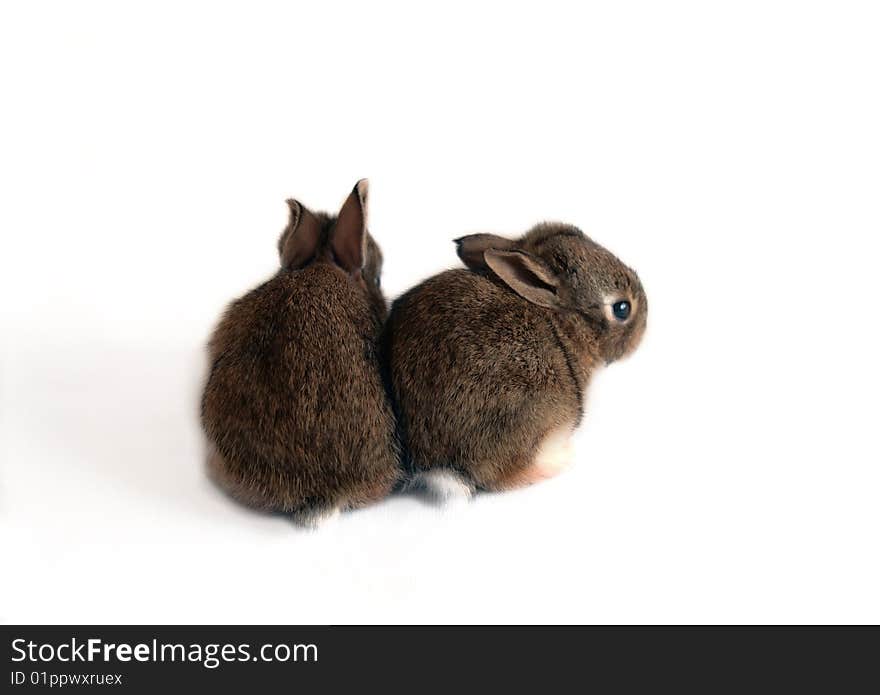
[483, 366]
[294, 408]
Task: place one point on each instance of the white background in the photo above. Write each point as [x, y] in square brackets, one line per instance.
[730, 152]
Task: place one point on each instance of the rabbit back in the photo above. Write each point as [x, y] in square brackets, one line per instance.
[480, 379]
[294, 407]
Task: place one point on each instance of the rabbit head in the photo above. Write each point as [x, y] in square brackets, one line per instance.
[342, 242]
[557, 266]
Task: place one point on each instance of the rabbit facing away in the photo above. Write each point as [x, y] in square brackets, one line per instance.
[488, 365]
[295, 411]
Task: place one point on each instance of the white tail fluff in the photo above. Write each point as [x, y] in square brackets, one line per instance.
[317, 518]
[445, 487]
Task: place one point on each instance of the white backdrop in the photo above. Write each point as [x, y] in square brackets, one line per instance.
[727, 472]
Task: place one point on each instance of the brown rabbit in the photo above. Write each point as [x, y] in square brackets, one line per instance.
[489, 365]
[295, 411]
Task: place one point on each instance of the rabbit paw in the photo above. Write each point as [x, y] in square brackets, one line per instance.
[554, 456]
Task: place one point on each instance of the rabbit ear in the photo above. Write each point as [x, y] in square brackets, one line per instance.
[299, 241]
[470, 248]
[525, 275]
[350, 234]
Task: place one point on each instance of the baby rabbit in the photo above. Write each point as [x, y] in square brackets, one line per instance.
[295, 411]
[489, 365]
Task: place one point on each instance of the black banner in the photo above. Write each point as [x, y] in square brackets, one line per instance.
[244, 658]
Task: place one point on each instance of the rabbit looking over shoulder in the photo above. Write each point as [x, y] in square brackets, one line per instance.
[489, 364]
[294, 409]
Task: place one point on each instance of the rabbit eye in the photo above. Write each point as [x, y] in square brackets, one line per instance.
[378, 281]
[621, 310]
